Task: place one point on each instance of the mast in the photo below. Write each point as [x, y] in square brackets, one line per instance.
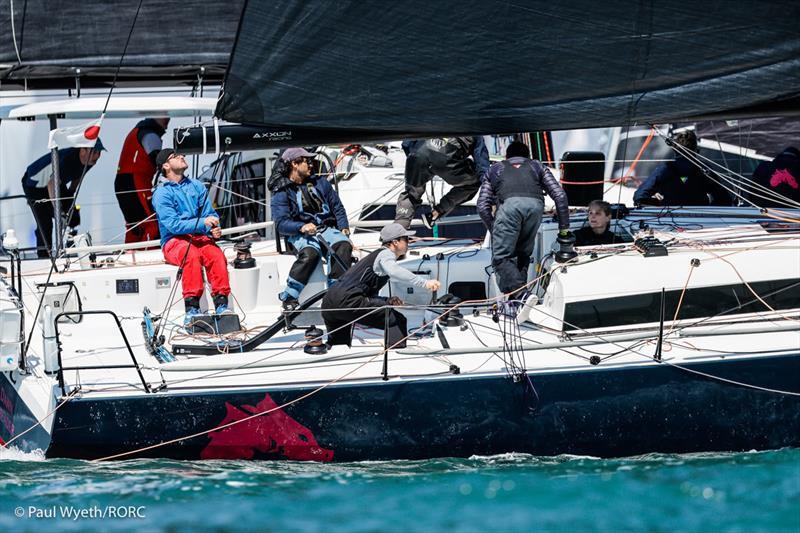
[56, 244]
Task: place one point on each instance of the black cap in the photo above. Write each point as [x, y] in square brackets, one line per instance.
[162, 157]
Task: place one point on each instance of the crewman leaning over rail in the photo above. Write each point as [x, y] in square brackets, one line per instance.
[39, 188]
[189, 225]
[354, 299]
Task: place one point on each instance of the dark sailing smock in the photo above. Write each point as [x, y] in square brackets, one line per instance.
[351, 299]
[34, 184]
[587, 237]
[316, 202]
[516, 186]
[448, 158]
[681, 182]
[134, 181]
[781, 176]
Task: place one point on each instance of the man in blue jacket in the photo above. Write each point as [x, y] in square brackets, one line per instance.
[188, 225]
[448, 158]
[681, 182]
[302, 203]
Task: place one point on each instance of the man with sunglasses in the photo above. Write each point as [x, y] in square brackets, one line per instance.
[301, 204]
[354, 299]
[189, 226]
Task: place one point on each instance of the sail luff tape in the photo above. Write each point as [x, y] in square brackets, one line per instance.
[205, 141]
[216, 136]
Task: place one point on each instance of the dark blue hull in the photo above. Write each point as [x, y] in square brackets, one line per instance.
[603, 412]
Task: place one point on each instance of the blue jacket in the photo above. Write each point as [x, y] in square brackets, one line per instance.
[286, 213]
[177, 205]
[681, 183]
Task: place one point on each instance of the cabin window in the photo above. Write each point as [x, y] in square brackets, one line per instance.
[697, 303]
[468, 290]
[468, 230]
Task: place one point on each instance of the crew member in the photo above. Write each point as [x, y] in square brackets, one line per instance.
[189, 225]
[134, 181]
[514, 187]
[349, 301]
[301, 205]
[681, 182]
[598, 231]
[448, 158]
[781, 176]
[39, 188]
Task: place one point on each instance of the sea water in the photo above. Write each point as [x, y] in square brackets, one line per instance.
[755, 491]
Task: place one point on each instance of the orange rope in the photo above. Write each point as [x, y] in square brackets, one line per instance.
[638, 156]
[546, 147]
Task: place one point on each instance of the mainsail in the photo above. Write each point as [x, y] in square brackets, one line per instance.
[426, 68]
[49, 44]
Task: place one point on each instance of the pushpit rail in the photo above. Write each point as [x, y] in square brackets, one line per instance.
[61, 367]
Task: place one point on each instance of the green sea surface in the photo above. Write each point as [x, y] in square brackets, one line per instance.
[754, 491]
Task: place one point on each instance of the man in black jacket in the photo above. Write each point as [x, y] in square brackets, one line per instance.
[681, 182]
[515, 188]
[448, 158]
[354, 299]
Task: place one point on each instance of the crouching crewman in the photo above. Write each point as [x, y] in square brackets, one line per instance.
[354, 299]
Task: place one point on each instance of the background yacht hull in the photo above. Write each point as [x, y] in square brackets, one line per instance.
[599, 411]
[17, 422]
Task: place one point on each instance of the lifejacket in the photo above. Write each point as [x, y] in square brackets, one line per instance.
[133, 158]
[518, 180]
[359, 280]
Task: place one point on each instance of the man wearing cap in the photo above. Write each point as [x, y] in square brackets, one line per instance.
[134, 181]
[188, 226]
[39, 188]
[301, 203]
[354, 299]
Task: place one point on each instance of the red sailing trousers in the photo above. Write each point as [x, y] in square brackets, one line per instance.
[203, 252]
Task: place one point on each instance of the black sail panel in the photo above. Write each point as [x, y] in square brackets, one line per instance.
[492, 67]
[171, 41]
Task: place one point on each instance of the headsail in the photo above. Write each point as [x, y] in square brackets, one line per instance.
[493, 67]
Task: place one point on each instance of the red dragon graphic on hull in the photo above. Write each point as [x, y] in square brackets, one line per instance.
[275, 433]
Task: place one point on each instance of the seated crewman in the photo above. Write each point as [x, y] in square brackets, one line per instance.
[599, 229]
[188, 225]
[300, 203]
[681, 182]
[354, 298]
